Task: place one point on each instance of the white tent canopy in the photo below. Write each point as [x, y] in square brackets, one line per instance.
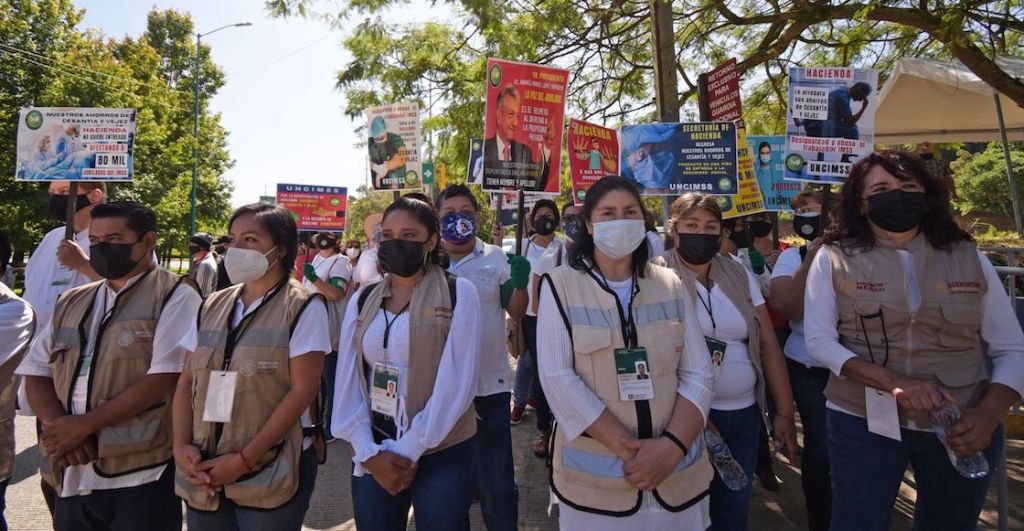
[926, 100]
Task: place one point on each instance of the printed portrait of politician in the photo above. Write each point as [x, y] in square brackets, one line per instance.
[387, 156]
[503, 150]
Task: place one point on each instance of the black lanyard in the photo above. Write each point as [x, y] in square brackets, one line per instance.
[626, 322]
[707, 305]
[234, 333]
[387, 326]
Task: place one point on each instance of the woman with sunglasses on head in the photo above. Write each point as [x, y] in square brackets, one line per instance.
[416, 332]
[243, 429]
[627, 451]
[746, 357]
[898, 301]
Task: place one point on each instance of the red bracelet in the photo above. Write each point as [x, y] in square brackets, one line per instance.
[787, 417]
[248, 465]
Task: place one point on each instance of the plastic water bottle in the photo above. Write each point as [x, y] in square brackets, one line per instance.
[729, 470]
[974, 466]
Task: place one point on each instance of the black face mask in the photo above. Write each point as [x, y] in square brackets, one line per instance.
[325, 243]
[897, 210]
[759, 229]
[401, 257]
[807, 226]
[112, 260]
[544, 225]
[220, 250]
[927, 156]
[740, 238]
[193, 250]
[59, 206]
[698, 249]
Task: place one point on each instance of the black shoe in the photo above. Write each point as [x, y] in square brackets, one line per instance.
[768, 480]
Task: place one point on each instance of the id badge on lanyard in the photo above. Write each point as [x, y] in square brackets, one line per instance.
[384, 393]
[220, 396]
[716, 348]
[633, 370]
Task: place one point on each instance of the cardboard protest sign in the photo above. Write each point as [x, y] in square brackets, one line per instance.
[75, 144]
[749, 199]
[825, 135]
[672, 159]
[475, 167]
[393, 145]
[507, 215]
[314, 208]
[523, 126]
[594, 154]
[768, 152]
[719, 94]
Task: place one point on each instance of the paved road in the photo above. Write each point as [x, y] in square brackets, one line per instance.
[331, 508]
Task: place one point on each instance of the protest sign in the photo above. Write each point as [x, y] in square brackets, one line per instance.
[672, 159]
[523, 126]
[475, 167]
[594, 155]
[768, 152]
[314, 208]
[394, 146]
[719, 94]
[507, 215]
[749, 199]
[824, 136]
[75, 144]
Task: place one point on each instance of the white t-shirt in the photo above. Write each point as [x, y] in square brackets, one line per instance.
[366, 272]
[533, 252]
[736, 384]
[15, 327]
[335, 266]
[487, 268]
[999, 326]
[172, 340]
[453, 388]
[795, 347]
[46, 279]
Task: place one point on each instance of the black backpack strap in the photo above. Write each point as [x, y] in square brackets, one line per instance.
[803, 253]
[365, 294]
[451, 288]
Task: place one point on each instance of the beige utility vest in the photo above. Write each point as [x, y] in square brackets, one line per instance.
[259, 353]
[939, 342]
[122, 356]
[8, 394]
[732, 278]
[586, 475]
[430, 319]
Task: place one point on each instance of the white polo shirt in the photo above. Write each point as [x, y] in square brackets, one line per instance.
[486, 267]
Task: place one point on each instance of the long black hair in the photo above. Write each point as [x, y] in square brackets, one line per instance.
[425, 215]
[849, 228]
[280, 224]
[581, 257]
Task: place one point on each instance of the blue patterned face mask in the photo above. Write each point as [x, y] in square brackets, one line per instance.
[458, 228]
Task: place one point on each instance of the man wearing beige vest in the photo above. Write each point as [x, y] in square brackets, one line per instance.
[101, 376]
[17, 325]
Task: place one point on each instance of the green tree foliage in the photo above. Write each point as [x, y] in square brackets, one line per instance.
[46, 60]
[981, 179]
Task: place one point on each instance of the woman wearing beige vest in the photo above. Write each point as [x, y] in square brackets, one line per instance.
[406, 381]
[626, 451]
[745, 355]
[243, 434]
[897, 304]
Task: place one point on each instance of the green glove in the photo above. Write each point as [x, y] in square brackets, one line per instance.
[309, 272]
[756, 261]
[520, 271]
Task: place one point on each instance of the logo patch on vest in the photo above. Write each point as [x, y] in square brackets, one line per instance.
[872, 287]
[266, 367]
[438, 311]
[247, 368]
[964, 287]
[127, 339]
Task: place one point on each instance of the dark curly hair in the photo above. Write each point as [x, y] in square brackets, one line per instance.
[849, 227]
[581, 257]
[426, 216]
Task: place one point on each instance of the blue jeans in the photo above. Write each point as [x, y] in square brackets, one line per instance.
[327, 391]
[740, 430]
[540, 402]
[867, 470]
[284, 518]
[440, 495]
[492, 463]
[524, 379]
[3, 503]
[808, 384]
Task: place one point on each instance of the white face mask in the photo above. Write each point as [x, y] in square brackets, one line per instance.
[352, 252]
[619, 238]
[766, 159]
[245, 265]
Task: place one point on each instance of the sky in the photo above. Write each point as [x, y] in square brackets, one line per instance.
[284, 115]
